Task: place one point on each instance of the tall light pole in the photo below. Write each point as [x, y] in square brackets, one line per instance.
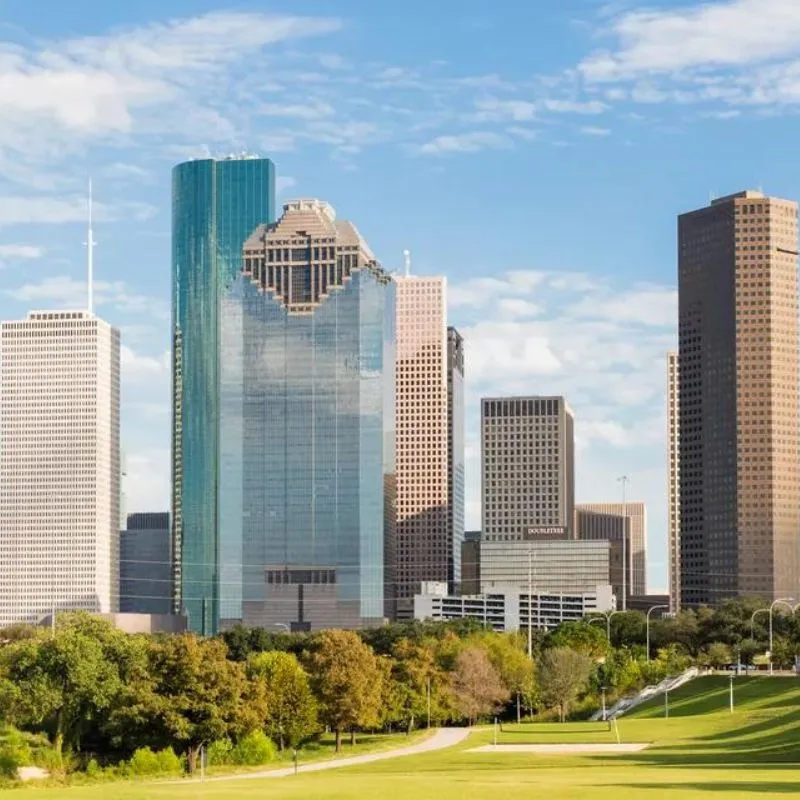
[607, 615]
[623, 479]
[647, 627]
[786, 601]
[753, 621]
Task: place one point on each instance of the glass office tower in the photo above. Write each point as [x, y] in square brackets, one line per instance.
[316, 314]
[216, 204]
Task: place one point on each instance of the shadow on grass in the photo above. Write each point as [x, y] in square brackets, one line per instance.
[763, 788]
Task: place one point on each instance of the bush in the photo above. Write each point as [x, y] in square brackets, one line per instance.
[219, 753]
[168, 762]
[253, 750]
[93, 769]
[10, 762]
[145, 762]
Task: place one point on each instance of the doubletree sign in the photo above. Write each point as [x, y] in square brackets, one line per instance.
[547, 532]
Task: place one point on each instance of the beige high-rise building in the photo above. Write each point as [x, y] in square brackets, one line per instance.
[59, 465]
[424, 546]
[738, 399]
[528, 475]
[673, 485]
[606, 522]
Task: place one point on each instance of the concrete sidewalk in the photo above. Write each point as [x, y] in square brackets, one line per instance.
[442, 738]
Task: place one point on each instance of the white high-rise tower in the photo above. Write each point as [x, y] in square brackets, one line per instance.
[59, 465]
[59, 462]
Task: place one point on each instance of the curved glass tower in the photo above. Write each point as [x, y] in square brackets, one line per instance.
[216, 205]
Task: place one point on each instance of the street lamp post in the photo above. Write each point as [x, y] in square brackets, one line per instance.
[647, 626]
[623, 479]
[607, 615]
[753, 621]
[731, 693]
[603, 694]
[786, 601]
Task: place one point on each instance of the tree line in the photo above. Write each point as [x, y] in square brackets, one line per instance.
[93, 692]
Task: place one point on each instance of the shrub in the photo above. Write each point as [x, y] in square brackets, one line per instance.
[143, 762]
[93, 769]
[219, 753]
[168, 762]
[10, 762]
[253, 750]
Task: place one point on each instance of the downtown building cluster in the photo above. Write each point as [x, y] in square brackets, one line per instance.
[318, 446]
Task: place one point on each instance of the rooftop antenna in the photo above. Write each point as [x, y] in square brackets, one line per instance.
[90, 245]
[407, 258]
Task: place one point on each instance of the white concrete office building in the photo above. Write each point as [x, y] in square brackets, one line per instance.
[59, 465]
[508, 609]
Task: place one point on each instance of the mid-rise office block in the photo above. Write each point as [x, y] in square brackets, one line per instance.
[673, 485]
[560, 566]
[59, 465]
[145, 564]
[528, 471]
[430, 437]
[607, 522]
[738, 399]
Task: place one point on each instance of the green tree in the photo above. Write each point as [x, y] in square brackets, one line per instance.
[717, 655]
[58, 684]
[194, 696]
[347, 681]
[562, 673]
[582, 637]
[477, 686]
[290, 703]
[507, 652]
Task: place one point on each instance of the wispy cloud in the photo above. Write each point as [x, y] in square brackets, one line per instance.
[464, 143]
[20, 251]
[594, 130]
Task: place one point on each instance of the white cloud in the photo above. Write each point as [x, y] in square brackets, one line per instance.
[297, 111]
[284, 182]
[732, 33]
[26, 251]
[490, 108]
[464, 143]
[143, 369]
[575, 106]
[63, 291]
[593, 130]
[643, 305]
[515, 307]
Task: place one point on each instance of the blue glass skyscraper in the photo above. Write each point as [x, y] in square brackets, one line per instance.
[216, 205]
[295, 504]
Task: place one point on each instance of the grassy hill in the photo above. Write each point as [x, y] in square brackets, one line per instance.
[701, 752]
[711, 694]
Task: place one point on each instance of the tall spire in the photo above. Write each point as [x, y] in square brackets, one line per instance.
[90, 245]
[407, 259]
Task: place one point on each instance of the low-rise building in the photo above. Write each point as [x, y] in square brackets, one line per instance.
[509, 609]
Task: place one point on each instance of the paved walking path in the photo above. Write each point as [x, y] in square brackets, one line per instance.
[444, 737]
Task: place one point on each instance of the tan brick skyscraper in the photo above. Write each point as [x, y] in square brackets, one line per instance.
[422, 434]
[738, 399]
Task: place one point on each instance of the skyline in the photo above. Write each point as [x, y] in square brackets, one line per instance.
[569, 290]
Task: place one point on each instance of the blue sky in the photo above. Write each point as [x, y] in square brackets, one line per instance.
[535, 153]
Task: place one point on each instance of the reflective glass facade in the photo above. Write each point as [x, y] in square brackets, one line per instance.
[215, 207]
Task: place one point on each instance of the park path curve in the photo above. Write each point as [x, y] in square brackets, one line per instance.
[442, 738]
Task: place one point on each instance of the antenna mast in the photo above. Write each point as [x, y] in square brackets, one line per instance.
[90, 244]
[407, 257]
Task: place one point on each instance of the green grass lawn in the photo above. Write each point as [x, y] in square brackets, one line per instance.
[701, 751]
